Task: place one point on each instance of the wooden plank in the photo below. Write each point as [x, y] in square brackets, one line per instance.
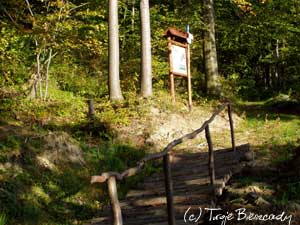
[177, 43]
[138, 194]
[178, 74]
[206, 187]
[155, 201]
[196, 173]
[224, 152]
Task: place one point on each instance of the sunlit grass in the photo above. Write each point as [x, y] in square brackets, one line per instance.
[272, 134]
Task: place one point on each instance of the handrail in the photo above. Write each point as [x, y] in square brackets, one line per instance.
[111, 177]
[134, 170]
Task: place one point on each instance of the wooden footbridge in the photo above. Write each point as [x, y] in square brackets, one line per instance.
[189, 183]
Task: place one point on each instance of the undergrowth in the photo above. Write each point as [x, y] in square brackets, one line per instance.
[30, 194]
[273, 132]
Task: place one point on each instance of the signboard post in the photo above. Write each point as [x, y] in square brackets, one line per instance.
[179, 59]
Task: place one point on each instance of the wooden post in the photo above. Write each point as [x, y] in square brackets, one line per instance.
[172, 83]
[189, 76]
[91, 112]
[169, 189]
[172, 87]
[114, 201]
[211, 161]
[231, 127]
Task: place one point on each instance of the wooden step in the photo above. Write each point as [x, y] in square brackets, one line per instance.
[178, 181]
[178, 199]
[152, 215]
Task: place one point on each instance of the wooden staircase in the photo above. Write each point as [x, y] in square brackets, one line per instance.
[192, 189]
[189, 183]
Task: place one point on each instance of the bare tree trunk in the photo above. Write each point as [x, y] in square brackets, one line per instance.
[276, 79]
[39, 75]
[146, 64]
[115, 93]
[210, 51]
[132, 15]
[47, 74]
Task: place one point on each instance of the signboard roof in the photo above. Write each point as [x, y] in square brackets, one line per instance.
[179, 35]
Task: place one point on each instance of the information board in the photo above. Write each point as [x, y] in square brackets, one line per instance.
[178, 59]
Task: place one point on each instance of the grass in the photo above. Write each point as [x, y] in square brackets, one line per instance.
[2, 219]
[289, 192]
[271, 133]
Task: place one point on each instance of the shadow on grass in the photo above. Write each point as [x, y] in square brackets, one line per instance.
[280, 172]
[31, 193]
[285, 110]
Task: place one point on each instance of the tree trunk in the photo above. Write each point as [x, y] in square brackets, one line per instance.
[276, 78]
[47, 74]
[210, 51]
[146, 64]
[39, 74]
[115, 93]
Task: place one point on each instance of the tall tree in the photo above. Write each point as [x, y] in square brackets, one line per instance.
[209, 50]
[146, 64]
[115, 93]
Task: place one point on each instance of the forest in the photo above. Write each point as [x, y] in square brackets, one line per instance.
[84, 89]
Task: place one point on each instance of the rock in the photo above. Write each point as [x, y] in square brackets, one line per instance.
[255, 189]
[60, 149]
[44, 162]
[164, 126]
[262, 202]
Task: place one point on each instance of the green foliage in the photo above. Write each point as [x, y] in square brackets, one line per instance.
[73, 78]
[14, 57]
[9, 147]
[245, 181]
[291, 193]
[117, 157]
[2, 219]
[259, 45]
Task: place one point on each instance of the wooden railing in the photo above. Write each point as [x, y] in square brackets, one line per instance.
[112, 177]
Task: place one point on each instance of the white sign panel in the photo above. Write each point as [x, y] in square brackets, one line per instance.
[178, 59]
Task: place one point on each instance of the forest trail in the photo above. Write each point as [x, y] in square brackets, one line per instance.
[192, 189]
